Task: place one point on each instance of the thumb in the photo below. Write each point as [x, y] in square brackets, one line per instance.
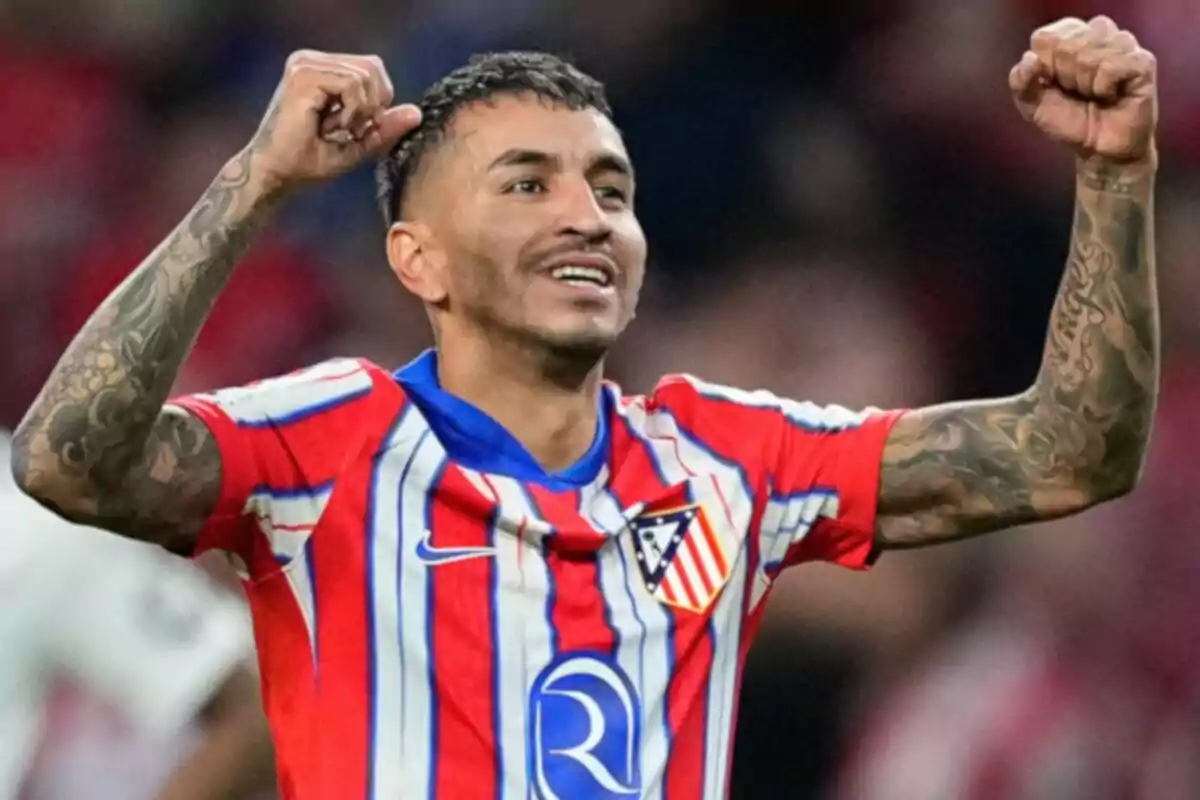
[392, 126]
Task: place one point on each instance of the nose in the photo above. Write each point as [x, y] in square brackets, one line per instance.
[581, 213]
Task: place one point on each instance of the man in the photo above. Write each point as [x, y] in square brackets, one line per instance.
[141, 633]
[490, 573]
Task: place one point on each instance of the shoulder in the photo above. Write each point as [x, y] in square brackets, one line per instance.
[299, 395]
[690, 397]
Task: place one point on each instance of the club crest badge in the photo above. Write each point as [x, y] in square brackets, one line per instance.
[680, 555]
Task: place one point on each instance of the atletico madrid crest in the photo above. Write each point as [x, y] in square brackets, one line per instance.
[681, 557]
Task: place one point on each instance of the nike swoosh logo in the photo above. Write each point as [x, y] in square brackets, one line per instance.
[446, 555]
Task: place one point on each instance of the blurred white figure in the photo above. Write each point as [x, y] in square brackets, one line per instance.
[140, 660]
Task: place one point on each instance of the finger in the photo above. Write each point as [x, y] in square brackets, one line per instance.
[327, 93]
[1115, 74]
[355, 108]
[1124, 42]
[1065, 60]
[377, 82]
[380, 87]
[1047, 39]
[381, 82]
[1103, 27]
[1087, 68]
[1025, 79]
[394, 124]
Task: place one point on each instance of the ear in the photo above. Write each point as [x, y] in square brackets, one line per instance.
[417, 261]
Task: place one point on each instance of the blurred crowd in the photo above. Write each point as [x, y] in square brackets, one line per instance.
[842, 205]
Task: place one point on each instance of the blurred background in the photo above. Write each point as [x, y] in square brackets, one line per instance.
[843, 206]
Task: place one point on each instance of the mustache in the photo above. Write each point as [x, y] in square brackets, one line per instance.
[533, 261]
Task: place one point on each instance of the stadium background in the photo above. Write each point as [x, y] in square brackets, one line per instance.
[842, 206]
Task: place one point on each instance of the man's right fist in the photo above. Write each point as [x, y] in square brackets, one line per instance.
[330, 113]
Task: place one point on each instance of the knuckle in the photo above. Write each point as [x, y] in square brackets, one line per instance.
[1044, 38]
[302, 55]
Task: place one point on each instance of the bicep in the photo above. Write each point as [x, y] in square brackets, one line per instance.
[172, 489]
[962, 469]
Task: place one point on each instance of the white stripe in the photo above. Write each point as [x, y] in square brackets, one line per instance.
[288, 395]
[708, 559]
[723, 683]
[673, 582]
[401, 702]
[640, 623]
[523, 633]
[658, 666]
[644, 654]
[806, 414]
[299, 578]
[287, 520]
[785, 522]
[689, 573]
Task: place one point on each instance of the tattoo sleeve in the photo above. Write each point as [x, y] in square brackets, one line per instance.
[97, 445]
[1078, 436]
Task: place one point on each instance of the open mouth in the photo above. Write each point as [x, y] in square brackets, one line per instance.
[577, 275]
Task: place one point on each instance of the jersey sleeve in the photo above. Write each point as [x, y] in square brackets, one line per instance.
[282, 442]
[814, 467]
[145, 630]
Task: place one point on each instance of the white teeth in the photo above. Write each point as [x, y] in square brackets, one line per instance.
[571, 273]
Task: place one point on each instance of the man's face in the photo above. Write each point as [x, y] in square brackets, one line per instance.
[532, 207]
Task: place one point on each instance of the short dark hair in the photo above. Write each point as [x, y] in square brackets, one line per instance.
[483, 78]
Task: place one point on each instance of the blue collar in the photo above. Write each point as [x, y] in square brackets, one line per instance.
[478, 442]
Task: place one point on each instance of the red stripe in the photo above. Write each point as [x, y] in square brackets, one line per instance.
[288, 696]
[340, 732]
[685, 583]
[687, 696]
[578, 612]
[463, 650]
[668, 592]
[294, 455]
[714, 544]
[299, 528]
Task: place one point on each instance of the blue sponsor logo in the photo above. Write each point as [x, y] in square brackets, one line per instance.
[585, 727]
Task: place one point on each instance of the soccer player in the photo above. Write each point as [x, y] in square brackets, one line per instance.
[140, 632]
[492, 574]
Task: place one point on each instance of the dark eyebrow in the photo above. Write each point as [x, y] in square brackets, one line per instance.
[517, 157]
[611, 162]
[521, 157]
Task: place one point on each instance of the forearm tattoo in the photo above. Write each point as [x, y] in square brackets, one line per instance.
[1079, 435]
[94, 445]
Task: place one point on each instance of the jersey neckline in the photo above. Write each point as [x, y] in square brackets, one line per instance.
[475, 440]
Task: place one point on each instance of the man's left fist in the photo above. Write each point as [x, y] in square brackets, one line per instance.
[1091, 86]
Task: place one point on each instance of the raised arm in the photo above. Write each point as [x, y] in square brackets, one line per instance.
[1079, 435]
[97, 445]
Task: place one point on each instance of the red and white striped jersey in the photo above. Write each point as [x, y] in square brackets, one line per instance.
[437, 618]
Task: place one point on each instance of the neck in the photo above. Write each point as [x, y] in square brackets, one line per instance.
[547, 401]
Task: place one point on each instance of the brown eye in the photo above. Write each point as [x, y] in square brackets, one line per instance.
[613, 193]
[527, 186]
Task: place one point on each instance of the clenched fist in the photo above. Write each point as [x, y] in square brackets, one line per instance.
[329, 114]
[1092, 87]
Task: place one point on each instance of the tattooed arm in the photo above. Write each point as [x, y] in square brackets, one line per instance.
[1079, 435]
[97, 445]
